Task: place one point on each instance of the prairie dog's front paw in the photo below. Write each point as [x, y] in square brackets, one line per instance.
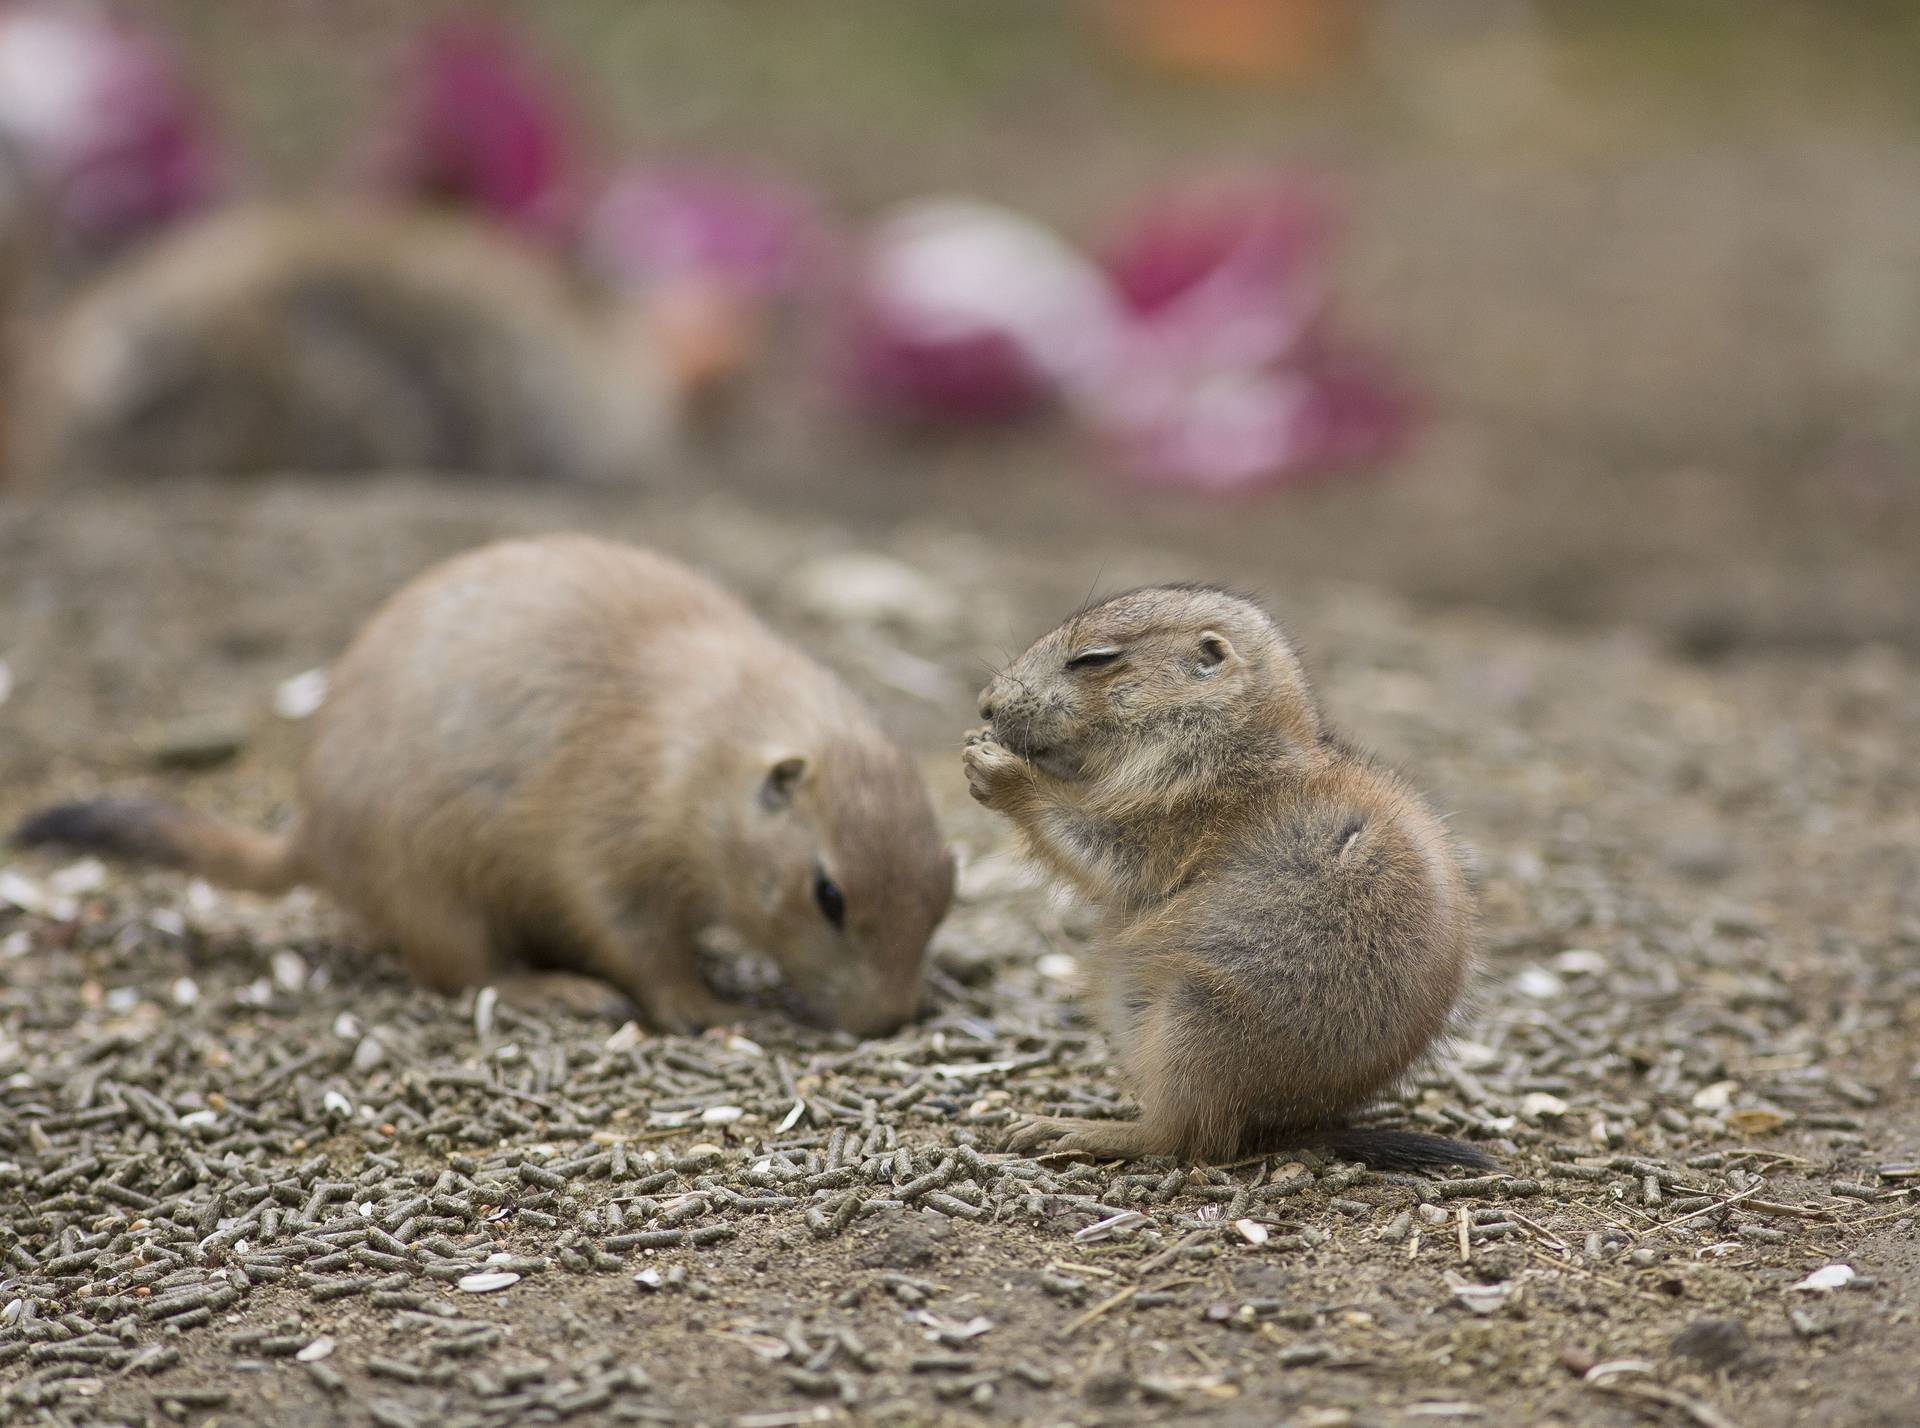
[688, 1006]
[992, 768]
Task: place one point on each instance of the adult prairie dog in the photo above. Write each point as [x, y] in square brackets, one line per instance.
[574, 753]
[346, 337]
[1286, 927]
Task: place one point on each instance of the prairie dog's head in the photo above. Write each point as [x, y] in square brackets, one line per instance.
[841, 876]
[1147, 685]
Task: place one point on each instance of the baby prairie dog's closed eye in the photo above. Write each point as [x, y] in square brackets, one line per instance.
[1287, 928]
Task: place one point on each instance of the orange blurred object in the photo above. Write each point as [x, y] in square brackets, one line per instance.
[1237, 39]
[707, 333]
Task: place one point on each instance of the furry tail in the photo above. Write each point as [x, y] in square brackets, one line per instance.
[143, 830]
[1397, 1149]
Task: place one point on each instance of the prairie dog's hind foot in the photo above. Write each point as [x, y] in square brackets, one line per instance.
[1103, 1140]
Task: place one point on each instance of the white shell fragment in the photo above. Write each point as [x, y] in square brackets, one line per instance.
[490, 1281]
[1109, 1227]
[1538, 983]
[484, 1001]
[1716, 1097]
[77, 879]
[1613, 1368]
[626, 1038]
[1483, 1298]
[960, 1070]
[316, 1351]
[301, 696]
[1473, 1055]
[1827, 1279]
[1252, 1231]
[29, 896]
[1580, 961]
[954, 1330]
[1540, 1103]
[721, 1115]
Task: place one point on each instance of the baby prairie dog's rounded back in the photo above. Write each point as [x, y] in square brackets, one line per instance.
[1327, 947]
[583, 750]
[1287, 926]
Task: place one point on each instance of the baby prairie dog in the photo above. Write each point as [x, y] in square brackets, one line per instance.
[1286, 926]
[572, 753]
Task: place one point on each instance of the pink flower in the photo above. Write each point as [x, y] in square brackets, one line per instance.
[657, 224]
[1223, 375]
[479, 124]
[966, 312]
[105, 123]
[1237, 428]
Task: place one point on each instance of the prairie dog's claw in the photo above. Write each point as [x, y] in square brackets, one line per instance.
[991, 768]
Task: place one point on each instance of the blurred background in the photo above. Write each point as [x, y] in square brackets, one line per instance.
[1601, 314]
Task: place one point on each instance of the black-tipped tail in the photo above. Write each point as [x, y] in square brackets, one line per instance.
[135, 829]
[145, 830]
[1399, 1150]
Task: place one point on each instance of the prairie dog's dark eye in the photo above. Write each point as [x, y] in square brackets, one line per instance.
[833, 903]
[1086, 659]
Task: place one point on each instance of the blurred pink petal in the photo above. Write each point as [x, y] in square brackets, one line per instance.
[1223, 376]
[754, 237]
[1231, 276]
[1181, 238]
[1239, 428]
[481, 125]
[968, 312]
[105, 122]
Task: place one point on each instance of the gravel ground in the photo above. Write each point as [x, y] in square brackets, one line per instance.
[246, 1169]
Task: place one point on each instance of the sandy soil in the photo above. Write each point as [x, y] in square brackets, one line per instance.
[1694, 1045]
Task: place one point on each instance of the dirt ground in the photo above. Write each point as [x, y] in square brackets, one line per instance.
[1694, 1046]
[1638, 609]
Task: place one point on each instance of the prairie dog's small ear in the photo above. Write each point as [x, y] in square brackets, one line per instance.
[1214, 653]
[784, 775]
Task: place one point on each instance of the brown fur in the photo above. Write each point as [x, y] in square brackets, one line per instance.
[1286, 926]
[574, 752]
[342, 337]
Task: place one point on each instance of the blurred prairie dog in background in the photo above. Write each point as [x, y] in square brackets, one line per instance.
[348, 336]
[1286, 926]
[578, 754]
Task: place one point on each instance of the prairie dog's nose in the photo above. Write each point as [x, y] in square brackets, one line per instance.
[986, 704]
